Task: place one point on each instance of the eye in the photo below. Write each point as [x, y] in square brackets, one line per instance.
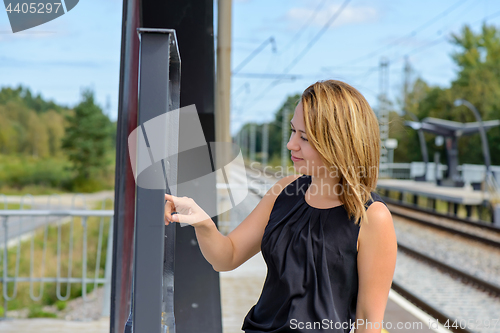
[291, 129]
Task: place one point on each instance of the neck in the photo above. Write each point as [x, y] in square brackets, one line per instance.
[324, 187]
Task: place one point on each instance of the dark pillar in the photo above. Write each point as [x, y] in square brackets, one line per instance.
[452, 153]
[197, 290]
[123, 224]
[468, 208]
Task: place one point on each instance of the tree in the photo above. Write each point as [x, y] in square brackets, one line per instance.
[37, 137]
[477, 57]
[87, 139]
[55, 130]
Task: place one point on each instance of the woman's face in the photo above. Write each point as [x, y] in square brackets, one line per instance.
[308, 160]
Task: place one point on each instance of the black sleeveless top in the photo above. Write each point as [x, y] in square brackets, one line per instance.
[312, 276]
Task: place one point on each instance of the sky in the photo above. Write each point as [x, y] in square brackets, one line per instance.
[313, 40]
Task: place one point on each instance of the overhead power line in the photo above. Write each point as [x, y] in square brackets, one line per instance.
[411, 34]
[304, 27]
[306, 48]
[316, 37]
[270, 40]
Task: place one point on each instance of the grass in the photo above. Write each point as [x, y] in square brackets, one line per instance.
[37, 312]
[31, 189]
[49, 297]
[12, 205]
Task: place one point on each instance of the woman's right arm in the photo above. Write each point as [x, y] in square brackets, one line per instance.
[225, 253]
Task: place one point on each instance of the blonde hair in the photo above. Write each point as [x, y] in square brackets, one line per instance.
[342, 127]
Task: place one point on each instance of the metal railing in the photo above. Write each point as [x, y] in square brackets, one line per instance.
[16, 233]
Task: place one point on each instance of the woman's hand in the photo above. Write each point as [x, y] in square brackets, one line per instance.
[187, 211]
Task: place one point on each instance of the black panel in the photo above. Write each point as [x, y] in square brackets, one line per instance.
[197, 290]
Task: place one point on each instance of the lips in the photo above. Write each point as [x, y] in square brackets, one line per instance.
[296, 158]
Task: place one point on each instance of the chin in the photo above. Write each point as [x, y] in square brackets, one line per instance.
[303, 170]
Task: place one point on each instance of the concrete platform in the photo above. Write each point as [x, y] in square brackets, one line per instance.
[459, 195]
[42, 325]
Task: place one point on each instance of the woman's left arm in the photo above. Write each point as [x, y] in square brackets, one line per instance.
[376, 263]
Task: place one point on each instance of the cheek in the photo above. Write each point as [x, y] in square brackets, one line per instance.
[312, 155]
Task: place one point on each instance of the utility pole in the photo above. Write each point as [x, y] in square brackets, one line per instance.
[284, 138]
[406, 84]
[252, 142]
[383, 114]
[245, 149]
[223, 83]
[265, 143]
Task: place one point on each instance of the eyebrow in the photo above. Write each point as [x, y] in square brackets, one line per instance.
[298, 130]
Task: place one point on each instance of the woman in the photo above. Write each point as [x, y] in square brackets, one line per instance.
[328, 240]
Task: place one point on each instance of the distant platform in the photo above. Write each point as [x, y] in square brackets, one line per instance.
[458, 195]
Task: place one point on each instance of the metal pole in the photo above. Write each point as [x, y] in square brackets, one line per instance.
[223, 85]
[391, 161]
[482, 132]
[284, 139]
[123, 220]
[197, 288]
[265, 143]
[436, 166]
[383, 115]
[4, 268]
[423, 145]
[252, 142]
[246, 142]
[158, 136]
[106, 305]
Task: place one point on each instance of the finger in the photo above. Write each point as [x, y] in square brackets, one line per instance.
[169, 197]
[169, 208]
[180, 218]
[169, 203]
[170, 216]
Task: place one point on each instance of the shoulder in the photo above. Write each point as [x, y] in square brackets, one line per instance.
[375, 198]
[281, 184]
[377, 236]
[379, 220]
[272, 195]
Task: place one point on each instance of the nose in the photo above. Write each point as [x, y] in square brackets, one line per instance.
[292, 143]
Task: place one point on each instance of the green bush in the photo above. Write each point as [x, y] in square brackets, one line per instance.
[61, 305]
[35, 311]
[21, 171]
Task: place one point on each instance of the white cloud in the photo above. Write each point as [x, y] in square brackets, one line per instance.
[350, 15]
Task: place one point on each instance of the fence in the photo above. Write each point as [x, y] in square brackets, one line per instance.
[52, 236]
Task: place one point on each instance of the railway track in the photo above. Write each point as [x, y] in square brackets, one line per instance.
[444, 276]
[478, 231]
